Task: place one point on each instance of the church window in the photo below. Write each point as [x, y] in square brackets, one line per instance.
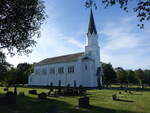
[61, 70]
[44, 72]
[70, 69]
[52, 71]
[85, 67]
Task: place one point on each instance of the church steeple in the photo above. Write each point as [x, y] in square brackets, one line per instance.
[92, 27]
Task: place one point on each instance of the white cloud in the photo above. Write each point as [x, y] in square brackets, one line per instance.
[76, 43]
[125, 47]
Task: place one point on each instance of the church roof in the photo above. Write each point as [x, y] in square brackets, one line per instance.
[92, 27]
[59, 59]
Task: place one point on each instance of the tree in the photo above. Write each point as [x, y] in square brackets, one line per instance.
[20, 21]
[131, 77]
[140, 76]
[109, 74]
[141, 8]
[10, 77]
[121, 75]
[147, 77]
[23, 70]
[4, 66]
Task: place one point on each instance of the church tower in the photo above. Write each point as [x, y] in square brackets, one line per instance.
[92, 49]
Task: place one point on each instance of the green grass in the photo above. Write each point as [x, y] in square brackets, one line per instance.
[100, 101]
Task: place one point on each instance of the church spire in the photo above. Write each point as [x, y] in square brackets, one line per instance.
[92, 27]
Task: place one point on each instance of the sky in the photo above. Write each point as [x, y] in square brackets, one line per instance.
[121, 42]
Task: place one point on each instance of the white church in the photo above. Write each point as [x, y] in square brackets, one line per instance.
[73, 69]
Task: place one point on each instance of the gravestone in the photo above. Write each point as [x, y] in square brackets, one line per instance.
[126, 91]
[5, 89]
[9, 93]
[21, 94]
[49, 93]
[33, 92]
[82, 90]
[130, 92]
[114, 97]
[84, 102]
[42, 96]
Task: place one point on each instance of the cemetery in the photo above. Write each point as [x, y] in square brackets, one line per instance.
[81, 64]
[51, 100]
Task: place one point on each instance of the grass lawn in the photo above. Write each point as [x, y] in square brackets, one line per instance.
[100, 101]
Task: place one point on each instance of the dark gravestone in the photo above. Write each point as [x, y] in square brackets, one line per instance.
[130, 92]
[42, 96]
[68, 92]
[49, 93]
[33, 92]
[84, 102]
[68, 86]
[82, 90]
[6, 89]
[21, 94]
[126, 91]
[9, 93]
[75, 92]
[114, 97]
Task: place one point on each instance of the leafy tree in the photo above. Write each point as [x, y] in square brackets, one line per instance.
[20, 21]
[140, 76]
[4, 66]
[10, 77]
[141, 8]
[131, 77]
[147, 77]
[109, 74]
[121, 75]
[23, 70]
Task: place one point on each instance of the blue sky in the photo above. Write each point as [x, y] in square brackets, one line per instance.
[122, 43]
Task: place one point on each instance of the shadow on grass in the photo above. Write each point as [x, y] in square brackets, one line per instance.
[131, 89]
[124, 100]
[34, 105]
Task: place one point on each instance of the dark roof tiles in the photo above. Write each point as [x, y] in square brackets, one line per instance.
[60, 59]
